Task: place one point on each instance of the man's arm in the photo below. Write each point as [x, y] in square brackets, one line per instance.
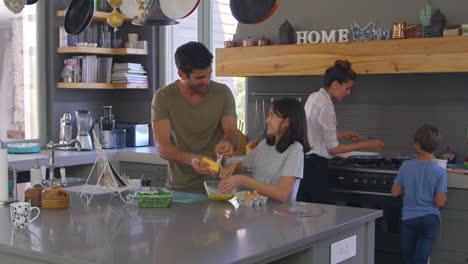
[440, 198]
[230, 140]
[168, 151]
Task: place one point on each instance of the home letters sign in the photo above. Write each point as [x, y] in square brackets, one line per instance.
[323, 36]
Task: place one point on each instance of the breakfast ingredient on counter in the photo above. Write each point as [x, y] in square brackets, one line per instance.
[160, 198]
[219, 196]
[212, 165]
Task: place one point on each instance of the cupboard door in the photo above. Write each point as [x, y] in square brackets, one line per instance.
[453, 233]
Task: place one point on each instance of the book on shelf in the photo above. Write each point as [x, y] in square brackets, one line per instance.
[88, 69]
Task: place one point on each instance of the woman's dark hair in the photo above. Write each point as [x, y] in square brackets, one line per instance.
[292, 109]
[192, 55]
[340, 72]
[428, 138]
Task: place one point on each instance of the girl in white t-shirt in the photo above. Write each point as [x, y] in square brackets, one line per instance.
[278, 160]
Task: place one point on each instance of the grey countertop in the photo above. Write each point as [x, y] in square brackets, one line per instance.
[109, 231]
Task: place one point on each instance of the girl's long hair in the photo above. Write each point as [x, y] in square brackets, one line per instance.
[292, 109]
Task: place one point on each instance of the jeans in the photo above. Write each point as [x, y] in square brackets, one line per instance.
[417, 236]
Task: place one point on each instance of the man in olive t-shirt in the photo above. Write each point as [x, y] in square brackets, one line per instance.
[193, 118]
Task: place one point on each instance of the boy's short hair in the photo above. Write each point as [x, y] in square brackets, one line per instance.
[428, 138]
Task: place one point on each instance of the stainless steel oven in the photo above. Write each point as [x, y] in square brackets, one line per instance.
[370, 187]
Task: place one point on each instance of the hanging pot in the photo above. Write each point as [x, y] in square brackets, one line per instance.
[31, 2]
[367, 160]
[178, 9]
[155, 17]
[78, 16]
[253, 11]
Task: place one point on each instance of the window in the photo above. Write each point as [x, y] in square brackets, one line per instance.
[211, 24]
[19, 74]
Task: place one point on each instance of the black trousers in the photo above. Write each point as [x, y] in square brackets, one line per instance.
[314, 185]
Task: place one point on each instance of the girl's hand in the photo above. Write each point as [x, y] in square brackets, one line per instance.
[227, 171]
[230, 184]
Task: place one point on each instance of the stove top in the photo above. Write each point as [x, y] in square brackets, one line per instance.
[386, 167]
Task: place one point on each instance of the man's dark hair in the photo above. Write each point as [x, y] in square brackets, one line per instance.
[192, 55]
[297, 130]
[428, 138]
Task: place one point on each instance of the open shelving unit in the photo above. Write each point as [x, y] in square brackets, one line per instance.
[64, 85]
[102, 51]
[418, 55]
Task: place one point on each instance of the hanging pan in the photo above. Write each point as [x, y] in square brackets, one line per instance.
[31, 2]
[253, 11]
[178, 9]
[155, 17]
[78, 16]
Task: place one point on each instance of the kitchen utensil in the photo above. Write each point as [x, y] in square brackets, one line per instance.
[355, 153]
[78, 16]
[31, 2]
[367, 160]
[137, 134]
[65, 130]
[20, 213]
[84, 124]
[154, 16]
[211, 188]
[178, 9]
[263, 41]
[398, 160]
[248, 42]
[229, 43]
[253, 12]
[129, 8]
[398, 30]
[15, 6]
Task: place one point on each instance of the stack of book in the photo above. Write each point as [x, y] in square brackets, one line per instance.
[129, 73]
[87, 69]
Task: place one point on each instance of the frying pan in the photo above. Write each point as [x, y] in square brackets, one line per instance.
[178, 9]
[31, 2]
[78, 16]
[398, 160]
[367, 159]
[253, 11]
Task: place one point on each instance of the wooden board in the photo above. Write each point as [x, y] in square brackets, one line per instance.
[97, 16]
[444, 54]
[102, 85]
[103, 51]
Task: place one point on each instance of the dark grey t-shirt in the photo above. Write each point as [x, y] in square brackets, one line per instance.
[196, 128]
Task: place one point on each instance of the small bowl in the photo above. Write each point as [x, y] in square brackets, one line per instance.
[212, 187]
[465, 164]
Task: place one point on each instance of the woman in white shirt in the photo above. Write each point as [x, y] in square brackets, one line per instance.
[322, 134]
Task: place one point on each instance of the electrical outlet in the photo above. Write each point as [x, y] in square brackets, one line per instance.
[343, 250]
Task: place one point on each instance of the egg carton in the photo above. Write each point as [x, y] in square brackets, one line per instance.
[254, 202]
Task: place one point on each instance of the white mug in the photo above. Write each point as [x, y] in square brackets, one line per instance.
[20, 214]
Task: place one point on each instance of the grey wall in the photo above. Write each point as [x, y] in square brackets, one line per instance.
[128, 104]
[386, 106]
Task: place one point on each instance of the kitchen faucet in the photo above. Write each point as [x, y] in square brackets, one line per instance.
[52, 146]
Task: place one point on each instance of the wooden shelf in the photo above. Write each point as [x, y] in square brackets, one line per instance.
[444, 54]
[102, 51]
[102, 85]
[97, 16]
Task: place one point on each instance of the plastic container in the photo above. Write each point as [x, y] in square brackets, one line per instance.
[158, 199]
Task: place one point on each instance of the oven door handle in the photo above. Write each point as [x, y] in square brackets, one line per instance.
[361, 192]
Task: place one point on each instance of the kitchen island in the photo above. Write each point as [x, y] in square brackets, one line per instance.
[109, 231]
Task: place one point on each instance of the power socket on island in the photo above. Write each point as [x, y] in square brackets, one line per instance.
[343, 249]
